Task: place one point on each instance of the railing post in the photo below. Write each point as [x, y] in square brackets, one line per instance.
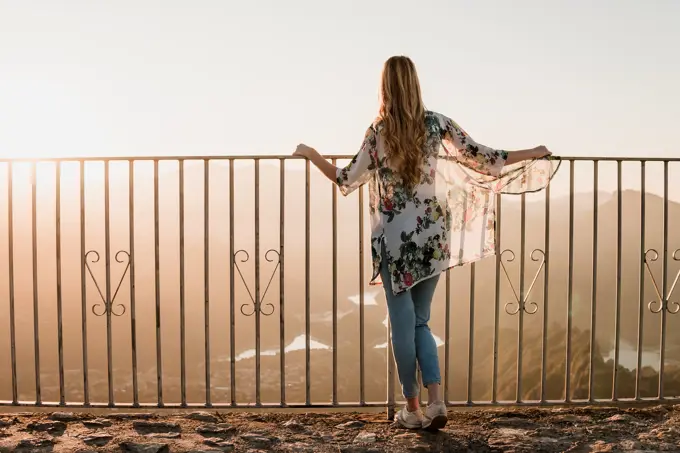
[334, 221]
[390, 373]
[36, 309]
[10, 258]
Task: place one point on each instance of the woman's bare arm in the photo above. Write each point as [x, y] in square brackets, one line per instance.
[527, 154]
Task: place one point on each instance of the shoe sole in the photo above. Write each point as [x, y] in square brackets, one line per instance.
[437, 423]
[403, 424]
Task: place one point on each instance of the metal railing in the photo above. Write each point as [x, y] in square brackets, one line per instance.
[484, 299]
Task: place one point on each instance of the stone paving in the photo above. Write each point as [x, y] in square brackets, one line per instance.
[481, 430]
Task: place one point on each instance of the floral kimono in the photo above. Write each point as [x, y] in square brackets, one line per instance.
[448, 219]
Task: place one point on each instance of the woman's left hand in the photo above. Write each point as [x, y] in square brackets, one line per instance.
[303, 150]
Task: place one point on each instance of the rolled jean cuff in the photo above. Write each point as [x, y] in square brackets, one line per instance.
[434, 381]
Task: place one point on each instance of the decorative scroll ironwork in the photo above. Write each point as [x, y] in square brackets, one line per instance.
[522, 300]
[107, 305]
[664, 303]
[257, 304]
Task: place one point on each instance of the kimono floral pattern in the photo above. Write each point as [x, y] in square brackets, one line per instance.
[448, 219]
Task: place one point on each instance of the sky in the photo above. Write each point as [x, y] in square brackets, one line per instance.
[257, 77]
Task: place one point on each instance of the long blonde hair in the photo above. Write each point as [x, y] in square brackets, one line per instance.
[402, 115]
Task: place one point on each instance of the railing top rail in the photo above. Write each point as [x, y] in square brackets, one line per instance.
[284, 157]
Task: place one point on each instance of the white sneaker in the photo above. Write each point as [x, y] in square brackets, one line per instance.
[435, 416]
[411, 420]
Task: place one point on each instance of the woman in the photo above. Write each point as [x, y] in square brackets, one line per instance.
[432, 198]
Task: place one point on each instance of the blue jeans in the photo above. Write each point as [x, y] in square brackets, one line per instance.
[412, 340]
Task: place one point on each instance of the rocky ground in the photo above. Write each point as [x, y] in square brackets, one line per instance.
[512, 430]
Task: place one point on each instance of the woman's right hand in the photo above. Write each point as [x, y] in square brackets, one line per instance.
[541, 151]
